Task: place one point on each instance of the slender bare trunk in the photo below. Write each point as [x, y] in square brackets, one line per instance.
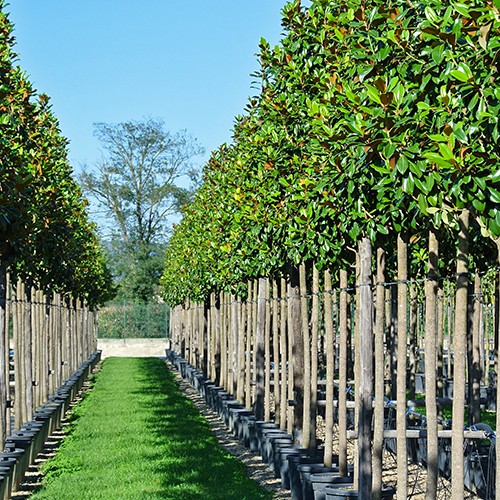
[401, 368]
[330, 370]
[431, 332]
[459, 357]
[378, 420]
[365, 358]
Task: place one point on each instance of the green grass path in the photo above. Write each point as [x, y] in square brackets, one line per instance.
[135, 436]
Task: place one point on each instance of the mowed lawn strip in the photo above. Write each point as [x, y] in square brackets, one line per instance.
[136, 436]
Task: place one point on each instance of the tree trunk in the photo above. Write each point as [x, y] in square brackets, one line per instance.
[259, 349]
[306, 425]
[343, 314]
[497, 380]
[240, 392]
[248, 359]
[378, 420]
[276, 354]
[330, 370]
[314, 356]
[267, 354]
[284, 354]
[431, 333]
[365, 358]
[401, 368]
[459, 357]
[297, 358]
[4, 346]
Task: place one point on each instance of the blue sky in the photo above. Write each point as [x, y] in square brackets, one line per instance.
[188, 62]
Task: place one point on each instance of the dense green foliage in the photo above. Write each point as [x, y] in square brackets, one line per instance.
[136, 436]
[45, 234]
[374, 118]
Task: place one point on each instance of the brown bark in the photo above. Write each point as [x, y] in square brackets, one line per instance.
[459, 357]
[365, 389]
[431, 333]
[378, 431]
[401, 369]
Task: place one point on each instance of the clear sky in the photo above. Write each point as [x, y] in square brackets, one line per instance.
[188, 62]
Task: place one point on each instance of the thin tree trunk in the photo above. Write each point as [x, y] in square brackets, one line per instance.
[330, 370]
[218, 342]
[283, 356]
[378, 420]
[459, 357]
[235, 325]
[475, 368]
[413, 347]
[401, 369]
[260, 351]
[240, 386]
[365, 359]
[276, 354]
[297, 357]
[4, 347]
[306, 425]
[440, 341]
[314, 356]
[267, 354]
[431, 333]
[497, 378]
[343, 374]
[248, 360]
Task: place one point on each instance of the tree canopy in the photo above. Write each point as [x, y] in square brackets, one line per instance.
[373, 118]
[46, 236]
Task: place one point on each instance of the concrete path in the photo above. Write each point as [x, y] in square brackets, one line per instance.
[136, 348]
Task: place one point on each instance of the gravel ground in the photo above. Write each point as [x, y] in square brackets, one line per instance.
[256, 468]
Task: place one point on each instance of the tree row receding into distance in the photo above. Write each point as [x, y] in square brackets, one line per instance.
[373, 118]
[46, 237]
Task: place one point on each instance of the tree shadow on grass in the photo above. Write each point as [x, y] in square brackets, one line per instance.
[186, 454]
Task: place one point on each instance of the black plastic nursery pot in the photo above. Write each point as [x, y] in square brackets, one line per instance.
[24, 441]
[271, 441]
[301, 474]
[226, 406]
[5, 487]
[255, 433]
[21, 457]
[281, 462]
[219, 399]
[211, 395]
[262, 436]
[277, 445]
[341, 492]
[235, 419]
[7, 471]
[319, 482]
[244, 426]
[307, 470]
[289, 470]
[182, 368]
[47, 415]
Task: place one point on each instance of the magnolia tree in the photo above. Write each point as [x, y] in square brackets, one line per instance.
[373, 118]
